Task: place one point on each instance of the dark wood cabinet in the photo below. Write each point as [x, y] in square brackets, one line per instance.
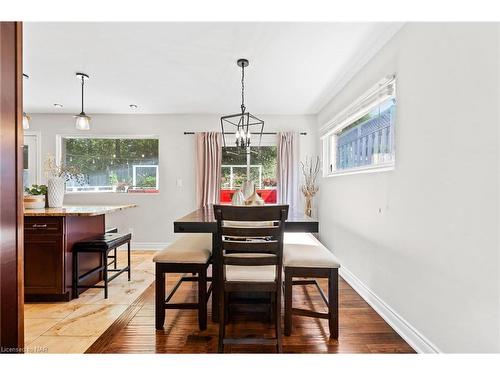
[48, 257]
[44, 261]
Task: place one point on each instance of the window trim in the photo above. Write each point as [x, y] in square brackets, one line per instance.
[376, 95]
[58, 156]
[157, 172]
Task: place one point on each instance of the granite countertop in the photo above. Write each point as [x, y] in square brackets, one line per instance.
[77, 210]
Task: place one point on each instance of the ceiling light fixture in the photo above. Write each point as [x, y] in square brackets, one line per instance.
[82, 120]
[26, 118]
[26, 121]
[242, 121]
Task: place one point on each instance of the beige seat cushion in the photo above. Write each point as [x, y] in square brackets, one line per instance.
[250, 273]
[188, 248]
[304, 250]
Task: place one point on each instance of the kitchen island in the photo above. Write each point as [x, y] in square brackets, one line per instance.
[49, 236]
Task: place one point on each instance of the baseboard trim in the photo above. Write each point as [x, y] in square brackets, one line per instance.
[146, 246]
[414, 338]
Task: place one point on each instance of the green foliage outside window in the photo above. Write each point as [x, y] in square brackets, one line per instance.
[109, 162]
[265, 157]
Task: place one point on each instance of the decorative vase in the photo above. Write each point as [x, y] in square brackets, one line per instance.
[238, 199]
[248, 189]
[55, 191]
[308, 204]
[34, 201]
[254, 200]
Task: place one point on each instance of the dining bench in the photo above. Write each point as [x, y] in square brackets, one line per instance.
[305, 257]
[102, 245]
[187, 254]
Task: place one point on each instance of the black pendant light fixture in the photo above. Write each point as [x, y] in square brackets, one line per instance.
[241, 122]
[82, 120]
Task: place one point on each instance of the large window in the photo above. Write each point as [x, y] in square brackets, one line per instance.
[362, 138]
[261, 166]
[113, 164]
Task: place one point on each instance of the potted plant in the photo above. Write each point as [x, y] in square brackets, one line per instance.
[34, 196]
[113, 180]
[122, 186]
[57, 175]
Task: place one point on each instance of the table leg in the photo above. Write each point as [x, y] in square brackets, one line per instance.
[216, 273]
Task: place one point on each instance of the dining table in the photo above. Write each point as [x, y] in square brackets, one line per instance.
[202, 220]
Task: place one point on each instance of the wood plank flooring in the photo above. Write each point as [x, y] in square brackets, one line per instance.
[362, 330]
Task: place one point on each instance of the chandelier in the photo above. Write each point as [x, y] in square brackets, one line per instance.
[242, 122]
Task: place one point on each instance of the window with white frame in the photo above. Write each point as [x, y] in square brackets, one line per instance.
[361, 138]
[260, 166]
[113, 164]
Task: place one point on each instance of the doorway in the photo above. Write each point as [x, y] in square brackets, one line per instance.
[32, 169]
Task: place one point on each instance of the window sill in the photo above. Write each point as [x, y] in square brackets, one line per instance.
[112, 192]
[374, 169]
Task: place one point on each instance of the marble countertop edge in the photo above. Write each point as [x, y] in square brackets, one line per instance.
[78, 210]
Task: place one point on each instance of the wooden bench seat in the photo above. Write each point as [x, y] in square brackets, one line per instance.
[189, 253]
[101, 244]
[305, 257]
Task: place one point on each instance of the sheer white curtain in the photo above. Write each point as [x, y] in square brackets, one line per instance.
[288, 164]
[208, 168]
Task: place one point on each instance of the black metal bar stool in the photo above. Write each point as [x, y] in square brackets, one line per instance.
[101, 244]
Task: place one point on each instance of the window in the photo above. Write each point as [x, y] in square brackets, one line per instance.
[362, 137]
[261, 165]
[112, 164]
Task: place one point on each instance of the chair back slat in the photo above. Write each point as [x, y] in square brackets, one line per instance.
[251, 246]
[251, 261]
[251, 213]
[251, 231]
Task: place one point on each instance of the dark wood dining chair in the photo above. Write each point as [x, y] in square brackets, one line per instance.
[250, 244]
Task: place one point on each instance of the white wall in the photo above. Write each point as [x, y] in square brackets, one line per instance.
[423, 237]
[152, 220]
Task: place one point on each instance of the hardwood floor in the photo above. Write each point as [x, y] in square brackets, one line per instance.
[71, 327]
[362, 330]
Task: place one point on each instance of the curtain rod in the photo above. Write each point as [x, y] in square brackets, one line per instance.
[264, 133]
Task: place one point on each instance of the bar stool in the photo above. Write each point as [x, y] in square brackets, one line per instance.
[101, 244]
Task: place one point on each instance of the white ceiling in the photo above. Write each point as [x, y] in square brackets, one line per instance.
[295, 68]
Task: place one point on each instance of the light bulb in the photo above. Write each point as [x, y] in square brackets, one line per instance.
[237, 136]
[26, 121]
[82, 122]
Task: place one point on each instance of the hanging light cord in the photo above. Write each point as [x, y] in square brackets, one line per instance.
[83, 82]
[243, 88]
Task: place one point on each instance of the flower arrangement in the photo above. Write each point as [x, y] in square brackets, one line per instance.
[53, 169]
[57, 175]
[309, 188]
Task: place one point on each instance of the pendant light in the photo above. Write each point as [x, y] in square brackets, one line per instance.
[82, 120]
[26, 118]
[26, 121]
[241, 122]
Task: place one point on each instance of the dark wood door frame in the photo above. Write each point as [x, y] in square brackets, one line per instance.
[11, 188]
